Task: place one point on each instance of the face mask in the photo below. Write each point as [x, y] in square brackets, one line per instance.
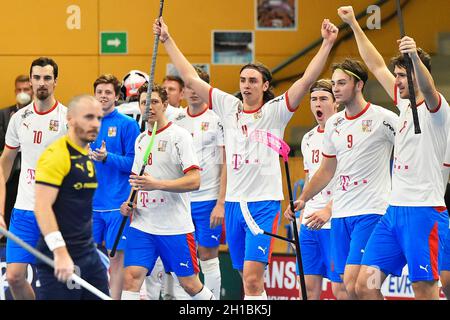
[23, 98]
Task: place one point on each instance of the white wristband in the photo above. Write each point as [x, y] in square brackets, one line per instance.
[54, 240]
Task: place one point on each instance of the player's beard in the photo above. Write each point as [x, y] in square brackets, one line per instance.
[42, 94]
[86, 136]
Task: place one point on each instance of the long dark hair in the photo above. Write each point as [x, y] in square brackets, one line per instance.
[267, 76]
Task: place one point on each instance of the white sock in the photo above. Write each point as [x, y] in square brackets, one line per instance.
[204, 294]
[211, 271]
[153, 283]
[167, 288]
[178, 291]
[263, 296]
[130, 295]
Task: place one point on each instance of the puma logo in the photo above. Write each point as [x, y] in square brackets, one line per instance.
[215, 237]
[424, 268]
[79, 166]
[27, 125]
[184, 264]
[263, 250]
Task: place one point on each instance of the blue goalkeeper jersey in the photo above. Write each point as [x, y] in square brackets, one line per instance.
[119, 133]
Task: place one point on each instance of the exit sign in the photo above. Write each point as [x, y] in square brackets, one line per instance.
[113, 43]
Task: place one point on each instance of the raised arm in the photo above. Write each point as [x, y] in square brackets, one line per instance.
[423, 77]
[185, 69]
[372, 58]
[301, 87]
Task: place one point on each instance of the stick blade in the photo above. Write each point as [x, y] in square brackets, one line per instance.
[271, 141]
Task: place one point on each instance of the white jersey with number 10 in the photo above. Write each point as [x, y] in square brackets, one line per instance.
[32, 132]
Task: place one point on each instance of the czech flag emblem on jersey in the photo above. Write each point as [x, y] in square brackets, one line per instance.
[366, 125]
[205, 126]
[53, 125]
[112, 131]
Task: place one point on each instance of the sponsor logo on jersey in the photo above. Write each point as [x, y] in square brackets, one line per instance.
[30, 176]
[139, 138]
[180, 116]
[112, 131]
[281, 98]
[26, 125]
[310, 134]
[366, 126]
[86, 185]
[27, 113]
[162, 145]
[389, 126]
[344, 182]
[53, 125]
[338, 121]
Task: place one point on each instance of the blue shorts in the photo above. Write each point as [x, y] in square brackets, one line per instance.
[178, 252]
[23, 224]
[413, 235]
[91, 269]
[445, 263]
[316, 253]
[106, 225]
[243, 245]
[205, 236]
[349, 237]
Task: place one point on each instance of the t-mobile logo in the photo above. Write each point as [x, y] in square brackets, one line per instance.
[144, 199]
[30, 176]
[345, 181]
[237, 161]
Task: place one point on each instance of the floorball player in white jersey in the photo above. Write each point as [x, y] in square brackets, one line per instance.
[208, 203]
[315, 227]
[415, 225]
[161, 224]
[253, 170]
[356, 151]
[31, 130]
